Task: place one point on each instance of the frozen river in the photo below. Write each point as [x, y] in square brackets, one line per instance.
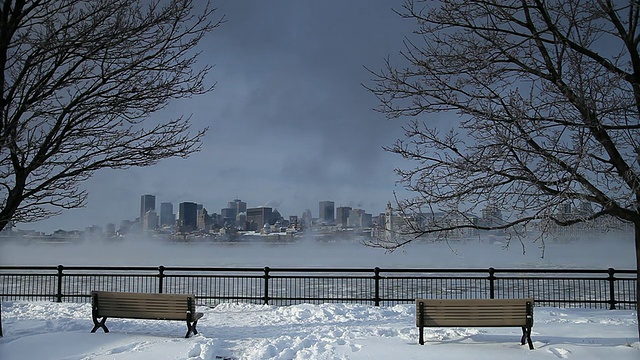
[604, 253]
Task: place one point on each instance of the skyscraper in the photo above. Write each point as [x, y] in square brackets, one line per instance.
[188, 213]
[204, 220]
[239, 205]
[167, 217]
[307, 218]
[228, 216]
[147, 203]
[342, 214]
[327, 212]
[231, 212]
[257, 217]
[150, 221]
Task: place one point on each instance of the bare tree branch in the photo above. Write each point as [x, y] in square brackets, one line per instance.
[547, 98]
[80, 82]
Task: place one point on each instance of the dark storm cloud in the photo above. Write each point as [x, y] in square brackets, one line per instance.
[289, 121]
[303, 68]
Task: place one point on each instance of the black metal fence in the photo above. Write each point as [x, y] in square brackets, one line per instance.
[610, 289]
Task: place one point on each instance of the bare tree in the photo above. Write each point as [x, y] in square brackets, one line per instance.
[547, 95]
[79, 82]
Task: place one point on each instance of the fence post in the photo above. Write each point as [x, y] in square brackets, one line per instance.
[160, 279]
[612, 293]
[492, 287]
[376, 279]
[59, 292]
[266, 277]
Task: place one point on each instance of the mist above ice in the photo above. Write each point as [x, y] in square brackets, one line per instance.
[602, 253]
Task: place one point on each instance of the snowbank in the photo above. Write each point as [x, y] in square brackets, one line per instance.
[44, 330]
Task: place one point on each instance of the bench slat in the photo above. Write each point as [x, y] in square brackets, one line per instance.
[473, 302]
[142, 307]
[472, 323]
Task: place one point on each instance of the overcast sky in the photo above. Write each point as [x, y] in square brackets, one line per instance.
[290, 123]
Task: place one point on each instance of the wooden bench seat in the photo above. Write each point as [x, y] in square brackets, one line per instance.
[143, 306]
[476, 313]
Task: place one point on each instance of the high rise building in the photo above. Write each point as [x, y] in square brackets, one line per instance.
[389, 226]
[188, 214]
[231, 212]
[150, 221]
[257, 217]
[327, 212]
[342, 215]
[167, 217]
[358, 218]
[204, 220]
[147, 203]
[228, 216]
[239, 205]
[307, 219]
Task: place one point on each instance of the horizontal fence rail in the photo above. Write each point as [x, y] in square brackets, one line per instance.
[610, 289]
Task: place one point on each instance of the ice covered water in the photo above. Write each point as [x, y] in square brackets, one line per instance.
[600, 253]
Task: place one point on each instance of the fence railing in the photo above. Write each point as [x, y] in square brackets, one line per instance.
[607, 288]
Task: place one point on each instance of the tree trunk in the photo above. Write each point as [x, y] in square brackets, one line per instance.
[637, 238]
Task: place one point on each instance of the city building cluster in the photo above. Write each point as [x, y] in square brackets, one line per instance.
[193, 219]
[190, 220]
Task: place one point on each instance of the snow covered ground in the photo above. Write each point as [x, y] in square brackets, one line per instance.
[52, 331]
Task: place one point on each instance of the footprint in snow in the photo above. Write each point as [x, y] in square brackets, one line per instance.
[560, 352]
[126, 348]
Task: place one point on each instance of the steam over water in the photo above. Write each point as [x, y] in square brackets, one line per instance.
[479, 253]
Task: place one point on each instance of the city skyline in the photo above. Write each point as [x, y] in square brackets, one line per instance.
[191, 216]
[188, 217]
[137, 215]
[151, 202]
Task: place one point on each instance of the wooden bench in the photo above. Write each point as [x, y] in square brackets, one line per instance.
[476, 313]
[143, 306]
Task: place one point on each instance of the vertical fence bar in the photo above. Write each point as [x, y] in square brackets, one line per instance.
[160, 279]
[376, 279]
[492, 279]
[59, 292]
[266, 285]
[612, 293]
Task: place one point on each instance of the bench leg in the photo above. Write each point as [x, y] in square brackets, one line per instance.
[421, 322]
[191, 328]
[99, 324]
[526, 336]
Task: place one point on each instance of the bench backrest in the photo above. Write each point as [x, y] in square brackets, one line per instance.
[143, 305]
[475, 312]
